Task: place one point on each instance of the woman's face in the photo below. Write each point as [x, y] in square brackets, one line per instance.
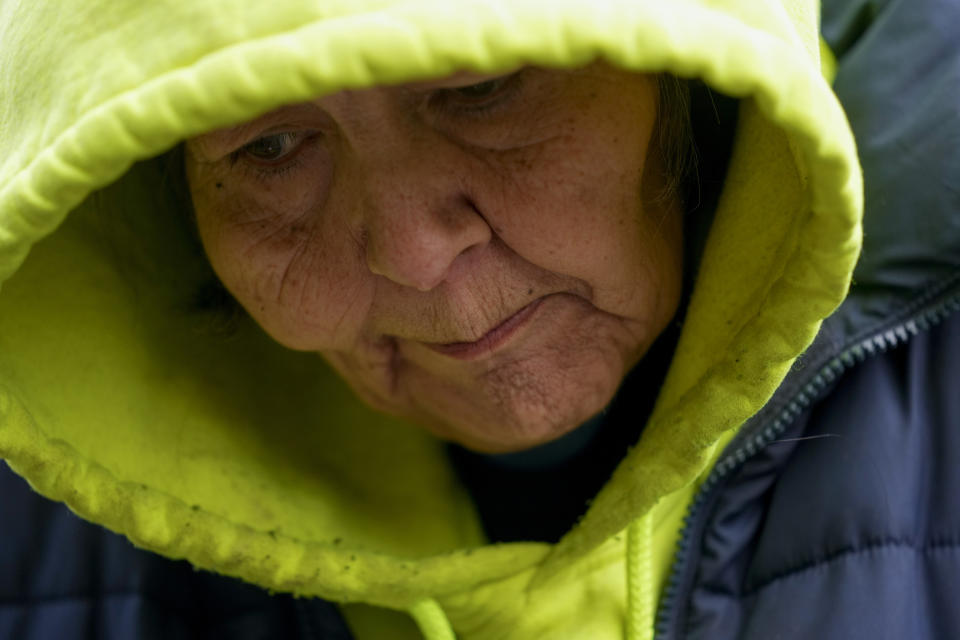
[485, 255]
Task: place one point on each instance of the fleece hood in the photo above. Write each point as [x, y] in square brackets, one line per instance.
[119, 399]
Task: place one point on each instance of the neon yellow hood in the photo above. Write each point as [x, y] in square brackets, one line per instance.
[257, 462]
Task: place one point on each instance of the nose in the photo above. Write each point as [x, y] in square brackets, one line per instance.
[418, 223]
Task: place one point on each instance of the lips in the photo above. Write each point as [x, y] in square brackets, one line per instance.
[492, 339]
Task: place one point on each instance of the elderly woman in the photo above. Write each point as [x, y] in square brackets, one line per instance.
[444, 315]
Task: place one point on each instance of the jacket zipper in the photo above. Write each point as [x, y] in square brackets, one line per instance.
[731, 462]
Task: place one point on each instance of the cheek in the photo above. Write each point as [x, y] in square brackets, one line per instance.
[297, 272]
[575, 205]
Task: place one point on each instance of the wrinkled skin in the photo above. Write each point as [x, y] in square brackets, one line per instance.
[485, 255]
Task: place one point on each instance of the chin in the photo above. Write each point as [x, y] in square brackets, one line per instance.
[556, 373]
[518, 409]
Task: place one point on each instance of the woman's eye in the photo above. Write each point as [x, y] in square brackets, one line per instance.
[273, 147]
[480, 90]
[480, 97]
[275, 154]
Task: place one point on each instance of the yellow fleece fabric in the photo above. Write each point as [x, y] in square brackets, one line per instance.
[257, 462]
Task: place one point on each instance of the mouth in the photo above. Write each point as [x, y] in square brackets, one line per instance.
[492, 339]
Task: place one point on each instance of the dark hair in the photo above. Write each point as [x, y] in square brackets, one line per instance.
[675, 134]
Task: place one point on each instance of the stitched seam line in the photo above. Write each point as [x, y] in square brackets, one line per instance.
[843, 554]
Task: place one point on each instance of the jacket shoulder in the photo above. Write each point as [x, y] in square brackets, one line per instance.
[68, 579]
[846, 526]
